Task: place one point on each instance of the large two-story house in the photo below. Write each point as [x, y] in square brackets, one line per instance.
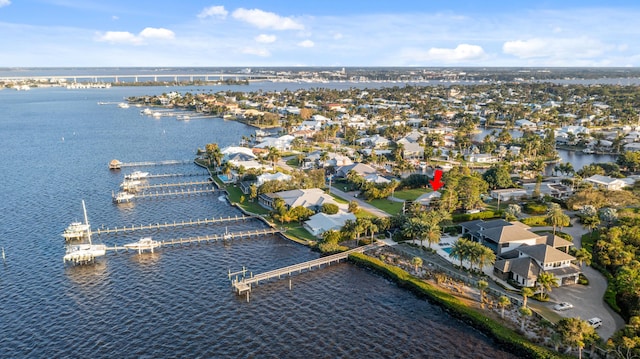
[522, 255]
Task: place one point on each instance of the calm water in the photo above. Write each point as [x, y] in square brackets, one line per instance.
[176, 302]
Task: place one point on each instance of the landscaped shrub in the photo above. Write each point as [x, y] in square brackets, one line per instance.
[535, 221]
[535, 208]
[464, 217]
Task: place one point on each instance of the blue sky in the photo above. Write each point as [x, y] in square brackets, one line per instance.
[422, 33]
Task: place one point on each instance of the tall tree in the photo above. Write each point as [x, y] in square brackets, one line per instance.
[545, 282]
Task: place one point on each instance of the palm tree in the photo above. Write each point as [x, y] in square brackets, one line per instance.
[583, 256]
[482, 286]
[557, 218]
[524, 312]
[273, 156]
[413, 228]
[591, 222]
[486, 256]
[526, 293]
[417, 262]
[503, 301]
[545, 281]
[460, 249]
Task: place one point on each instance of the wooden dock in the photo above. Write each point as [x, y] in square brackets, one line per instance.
[166, 175]
[156, 163]
[177, 193]
[188, 223]
[242, 285]
[143, 187]
[206, 239]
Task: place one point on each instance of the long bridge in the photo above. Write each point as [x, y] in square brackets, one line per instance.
[243, 285]
[113, 78]
[188, 223]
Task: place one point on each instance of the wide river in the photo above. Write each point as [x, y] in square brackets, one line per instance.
[176, 302]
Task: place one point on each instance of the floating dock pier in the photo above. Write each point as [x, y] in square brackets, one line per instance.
[188, 223]
[243, 285]
[181, 192]
[143, 187]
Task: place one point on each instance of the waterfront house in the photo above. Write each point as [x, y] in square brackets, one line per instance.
[528, 262]
[522, 255]
[606, 182]
[509, 194]
[322, 222]
[312, 198]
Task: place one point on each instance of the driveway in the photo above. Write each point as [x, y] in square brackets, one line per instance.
[587, 300]
[364, 205]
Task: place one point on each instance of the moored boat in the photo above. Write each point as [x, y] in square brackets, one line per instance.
[122, 197]
[78, 230]
[146, 243]
[136, 175]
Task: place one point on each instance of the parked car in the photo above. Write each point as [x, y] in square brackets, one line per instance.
[595, 322]
[563, 306]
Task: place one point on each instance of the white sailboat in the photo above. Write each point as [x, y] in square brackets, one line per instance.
[78, 230]
[84, 252]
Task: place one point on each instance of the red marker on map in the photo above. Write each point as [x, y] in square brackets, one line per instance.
[435, 182]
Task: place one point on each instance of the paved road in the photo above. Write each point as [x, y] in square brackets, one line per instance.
[364, 205]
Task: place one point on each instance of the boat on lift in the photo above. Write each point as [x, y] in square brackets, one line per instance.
[136, 175]
[146, 243]
[78, 230]
[83, 253]
[122, 197]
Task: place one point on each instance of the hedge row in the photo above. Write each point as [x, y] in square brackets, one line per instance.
[464, 217]
[505, 337]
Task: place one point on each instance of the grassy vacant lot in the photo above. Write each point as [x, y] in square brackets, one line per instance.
[411, 194]
[386, 205]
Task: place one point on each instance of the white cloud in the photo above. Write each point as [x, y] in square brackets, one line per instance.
[266, 20]
[337, 36]
[461, 53]
[5, 3]
[306, 43]
[114, 18]
[568, 48]
[125, 37]
[157, 33]
[213, 11]
[265, 39]
[121, 37]
[256, 51]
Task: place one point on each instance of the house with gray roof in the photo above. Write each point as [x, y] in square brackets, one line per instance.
[312, 198]
[606, 182]
[521, 254]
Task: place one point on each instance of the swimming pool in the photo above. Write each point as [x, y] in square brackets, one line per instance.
[447, 249]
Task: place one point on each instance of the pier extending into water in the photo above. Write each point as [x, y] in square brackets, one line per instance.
[243, 285]
[168, 185]
[207, 239]
[181, 192]
[188, 223]
[115, 164]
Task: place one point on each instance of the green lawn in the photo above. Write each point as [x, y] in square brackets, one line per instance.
[234, 196]
[296, 230]
[411, 194]
[386, 205]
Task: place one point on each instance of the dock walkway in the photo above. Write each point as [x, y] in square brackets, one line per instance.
[168, 185]
[207, 239]
[196, 222]
[156, 163]
[242, 285]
